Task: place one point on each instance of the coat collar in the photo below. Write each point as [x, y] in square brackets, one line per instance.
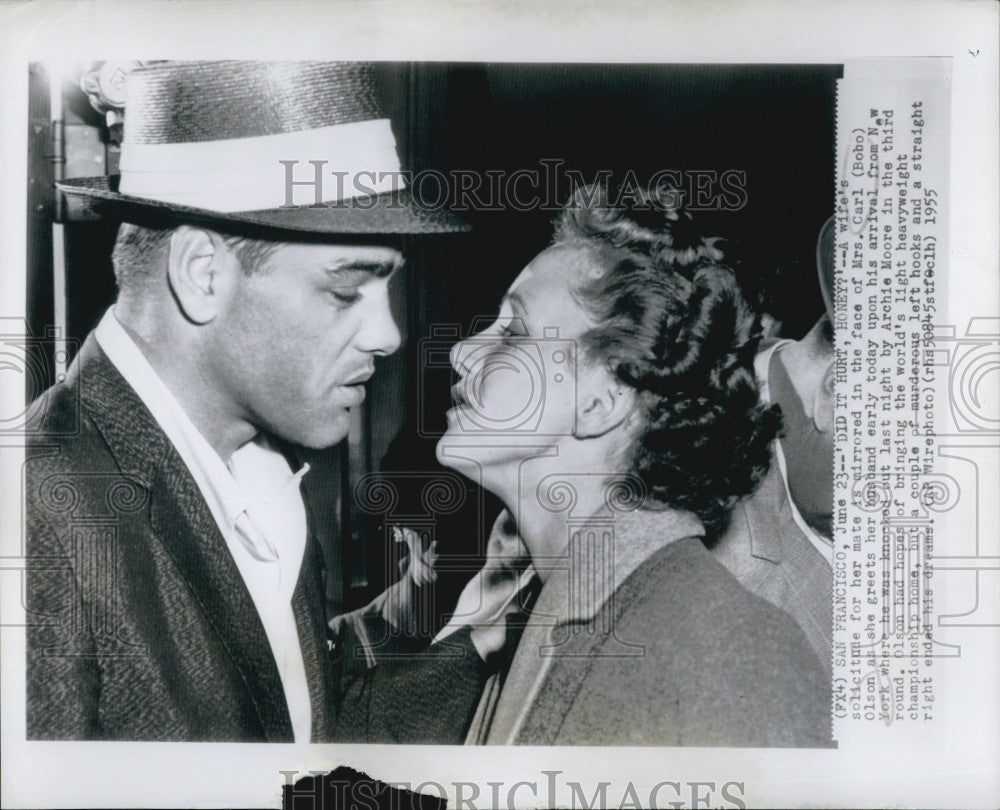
[133, 436]
[602, 553]
[769, 518]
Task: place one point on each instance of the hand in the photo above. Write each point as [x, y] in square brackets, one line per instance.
[490, 596]
[489, 633]
[418, 565]
[399, 603]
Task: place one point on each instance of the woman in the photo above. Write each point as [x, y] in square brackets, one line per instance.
[612, 407]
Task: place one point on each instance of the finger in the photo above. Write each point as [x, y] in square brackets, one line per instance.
[413, 541]
[419, 570]
[423, 572]
[430, 560]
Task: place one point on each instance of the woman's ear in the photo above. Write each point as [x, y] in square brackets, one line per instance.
[195, 270]
[603, 403]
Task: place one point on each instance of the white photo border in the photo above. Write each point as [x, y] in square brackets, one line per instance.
[903, 768]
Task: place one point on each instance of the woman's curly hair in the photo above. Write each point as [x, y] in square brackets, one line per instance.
[672, 323]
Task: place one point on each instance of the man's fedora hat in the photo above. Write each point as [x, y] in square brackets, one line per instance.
[293, 146]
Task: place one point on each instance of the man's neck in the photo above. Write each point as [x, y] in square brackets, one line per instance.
[175, 362]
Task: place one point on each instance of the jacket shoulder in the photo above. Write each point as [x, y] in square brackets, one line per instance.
[64, 436]
[704, 600]
[721, 665]
[55, 414]
[69, 470]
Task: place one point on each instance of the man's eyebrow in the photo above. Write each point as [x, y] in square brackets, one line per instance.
[347, 267]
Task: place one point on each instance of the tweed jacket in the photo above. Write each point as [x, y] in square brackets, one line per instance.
[768, 552]
[678, 654]
[139, 624]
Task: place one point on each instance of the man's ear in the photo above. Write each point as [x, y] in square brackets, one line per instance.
[196, 270]
[822, 409]
[603, 403]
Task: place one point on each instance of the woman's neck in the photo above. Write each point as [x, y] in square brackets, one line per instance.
[549, 501]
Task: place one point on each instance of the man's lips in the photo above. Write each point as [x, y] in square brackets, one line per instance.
[360, 378]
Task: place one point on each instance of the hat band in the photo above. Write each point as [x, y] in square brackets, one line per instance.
[329, 165]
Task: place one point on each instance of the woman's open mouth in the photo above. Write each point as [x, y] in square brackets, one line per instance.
[457, 397]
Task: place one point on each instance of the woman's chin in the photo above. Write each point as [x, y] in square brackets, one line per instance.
[464, 452]
[452, 440]
[439, 451]
[458, 431]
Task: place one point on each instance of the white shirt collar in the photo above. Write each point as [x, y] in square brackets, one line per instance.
[762, 363]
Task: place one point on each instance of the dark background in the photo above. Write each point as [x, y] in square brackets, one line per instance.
[775, 123]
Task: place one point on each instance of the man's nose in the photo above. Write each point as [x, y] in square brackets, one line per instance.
[379, 333]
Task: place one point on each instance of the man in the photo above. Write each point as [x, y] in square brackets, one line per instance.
[778, 542]
[174, 588]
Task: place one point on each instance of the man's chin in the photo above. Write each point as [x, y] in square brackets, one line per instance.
[320, 437]
[320, 444]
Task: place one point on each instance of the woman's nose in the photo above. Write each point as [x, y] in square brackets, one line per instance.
[457, 356]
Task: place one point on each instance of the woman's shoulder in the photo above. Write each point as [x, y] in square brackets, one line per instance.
[738, 670]
[683, 600]
[684, 585]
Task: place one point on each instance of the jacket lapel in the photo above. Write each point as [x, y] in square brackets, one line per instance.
[799, 580]
[769, 518]
[182, 520]
[776, 537]
[309, 606]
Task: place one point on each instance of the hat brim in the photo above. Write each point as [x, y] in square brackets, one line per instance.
[386, 214]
